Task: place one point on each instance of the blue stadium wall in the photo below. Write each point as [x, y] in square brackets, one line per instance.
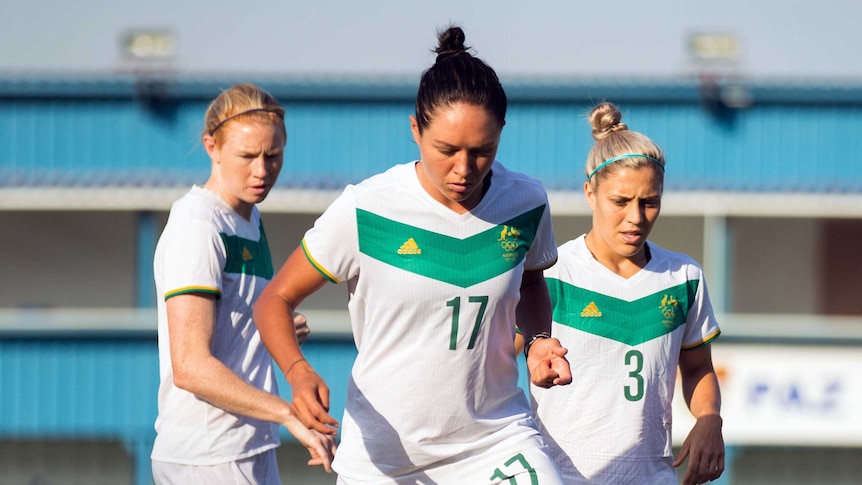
[126, 132]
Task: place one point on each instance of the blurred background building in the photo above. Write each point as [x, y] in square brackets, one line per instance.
[101, 108]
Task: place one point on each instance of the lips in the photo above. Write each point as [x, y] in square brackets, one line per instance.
[460, 188]
[259, 189]
[631, 237]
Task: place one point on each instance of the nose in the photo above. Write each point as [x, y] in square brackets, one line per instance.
[462, 165]
[259, 167]
[635, 213]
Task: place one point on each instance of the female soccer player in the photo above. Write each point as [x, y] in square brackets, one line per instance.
[630, 313]
[441, 256]
[219, 408]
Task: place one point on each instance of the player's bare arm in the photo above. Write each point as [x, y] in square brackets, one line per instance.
[272, 313]
[546, 360]
[704, 445]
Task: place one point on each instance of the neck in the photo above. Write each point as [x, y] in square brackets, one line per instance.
[625, 266]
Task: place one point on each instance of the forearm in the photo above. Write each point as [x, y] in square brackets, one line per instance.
[703, 396]
[533, 314]
[209, 379]
[273, 317]
[699, 382]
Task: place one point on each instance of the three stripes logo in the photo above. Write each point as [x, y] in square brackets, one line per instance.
[591, 310]
[409, 247]
[246, 254]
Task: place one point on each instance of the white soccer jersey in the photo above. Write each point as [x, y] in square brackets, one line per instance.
[432, 305]
[206, 247]
[613, 423]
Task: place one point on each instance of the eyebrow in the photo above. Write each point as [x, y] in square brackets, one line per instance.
[442, 144]
[274, 151]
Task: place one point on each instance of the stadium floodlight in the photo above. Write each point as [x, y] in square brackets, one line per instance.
[720, 47]
[157, 45]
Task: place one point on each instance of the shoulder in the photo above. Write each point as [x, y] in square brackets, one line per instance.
[516, 180]
[196, 205]
[570, 254]
[396, 174]
[195, 215]
[383, 188]
[676, 262]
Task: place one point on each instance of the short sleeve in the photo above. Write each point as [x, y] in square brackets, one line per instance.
[193, 257]
[543, 251]
[701, 326]
[332, 244]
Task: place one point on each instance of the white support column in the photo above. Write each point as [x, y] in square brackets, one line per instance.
[717, 263]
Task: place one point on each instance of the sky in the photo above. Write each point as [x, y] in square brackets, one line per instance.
[796, 39]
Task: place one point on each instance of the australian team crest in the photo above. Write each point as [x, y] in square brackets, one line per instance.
[669, 306]
[510, 242]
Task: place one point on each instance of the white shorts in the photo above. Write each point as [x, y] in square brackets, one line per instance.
[260, 469]
[516, 461]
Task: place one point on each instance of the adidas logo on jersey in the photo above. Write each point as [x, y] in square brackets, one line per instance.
[409, 247]
[246, 254]
[591, 310]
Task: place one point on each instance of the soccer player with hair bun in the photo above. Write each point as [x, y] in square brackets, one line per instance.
[441, 257]
[631, 314]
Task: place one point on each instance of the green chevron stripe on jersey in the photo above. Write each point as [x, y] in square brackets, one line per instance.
[461, 262]
[629, 322]
[245, 256]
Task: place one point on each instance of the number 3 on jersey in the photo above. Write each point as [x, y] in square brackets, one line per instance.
[479, 305]
[635, 361]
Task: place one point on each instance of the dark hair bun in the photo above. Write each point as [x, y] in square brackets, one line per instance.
[450, 43]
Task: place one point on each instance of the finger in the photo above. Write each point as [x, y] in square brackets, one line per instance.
[543, 376]
[323, 396]
[313, 416]
[719, 469]
[692, 473]
[332, 446]
[322, 428]
[562, 369]
[321, 457]
[324, 417]
[682, 455]
[320, 414]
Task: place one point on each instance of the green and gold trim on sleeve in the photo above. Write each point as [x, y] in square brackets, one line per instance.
[714, 335]
[460, 262]
[317, 266]
[193, 289]
[248, 257]
[629, 322]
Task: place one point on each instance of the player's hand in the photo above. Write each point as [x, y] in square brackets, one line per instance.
[320, 446]
[302, 330]
[311, 399]
[547, 363]
[704, 447]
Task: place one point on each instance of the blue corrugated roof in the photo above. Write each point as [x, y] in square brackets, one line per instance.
[125, 131]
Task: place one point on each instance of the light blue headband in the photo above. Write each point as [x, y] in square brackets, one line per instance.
[627, 155]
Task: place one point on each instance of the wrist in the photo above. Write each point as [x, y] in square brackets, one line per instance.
[529, 343]
[293, 366]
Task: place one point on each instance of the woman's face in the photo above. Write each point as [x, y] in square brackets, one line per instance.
[457, 149]
[625, 206]
[246, 165]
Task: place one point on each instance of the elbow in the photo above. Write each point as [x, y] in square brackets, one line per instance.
[184, 379]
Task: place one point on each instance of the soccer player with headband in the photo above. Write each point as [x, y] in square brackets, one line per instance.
[630, 313]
